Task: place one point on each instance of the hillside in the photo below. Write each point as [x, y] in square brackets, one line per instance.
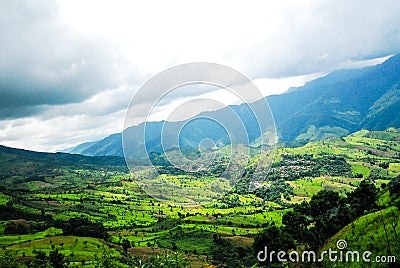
[385, 110]
[340, 103]
[368, 233]
[90, 211]
[13, 155]
[343, 100]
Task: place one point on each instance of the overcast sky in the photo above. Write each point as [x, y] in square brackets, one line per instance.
[68, 69]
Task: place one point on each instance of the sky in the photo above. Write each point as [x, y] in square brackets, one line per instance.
[68, 68]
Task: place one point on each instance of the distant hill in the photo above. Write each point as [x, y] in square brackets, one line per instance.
[80, 148]
[111, 146]
[345, 100]
[12, 157]
[340, 103]
[385, 111]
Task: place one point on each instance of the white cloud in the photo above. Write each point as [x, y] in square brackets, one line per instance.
[68, 69]
[45, 135]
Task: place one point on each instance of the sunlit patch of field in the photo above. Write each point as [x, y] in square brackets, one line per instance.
[305, 188]
[394, 168]
[240, 240]
[186, 189]
[360, 168]
[73, 247]
[18, 239]
[4, 199]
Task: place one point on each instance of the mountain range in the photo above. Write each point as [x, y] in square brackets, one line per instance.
[337, 104]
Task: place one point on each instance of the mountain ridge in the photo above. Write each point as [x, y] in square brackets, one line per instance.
[337, 104]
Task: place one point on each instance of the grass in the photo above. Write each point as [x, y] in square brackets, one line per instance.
[2, 226]
[18, 239]
[197, 242]
[394, 168]
[359, 168]
[385, 199]
[74, 247]
[368, 233]
[305, 188]
[254, 220]
[4, 199]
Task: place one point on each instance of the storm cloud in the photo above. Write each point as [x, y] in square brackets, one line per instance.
[68, 69]
[43, 63]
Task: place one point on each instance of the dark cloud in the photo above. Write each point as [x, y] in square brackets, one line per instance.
[42, 63]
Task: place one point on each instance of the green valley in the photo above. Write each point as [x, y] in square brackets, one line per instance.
[79, 211]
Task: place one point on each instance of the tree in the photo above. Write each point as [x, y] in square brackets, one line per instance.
[174, 246]
[105, 260]
[56, 259]
[83, 227]
[275, 239]
[323, 204]
[363, 198]
[126, 244]
[394, 189]
[296, 225]
[18, 227]
[9, 260]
